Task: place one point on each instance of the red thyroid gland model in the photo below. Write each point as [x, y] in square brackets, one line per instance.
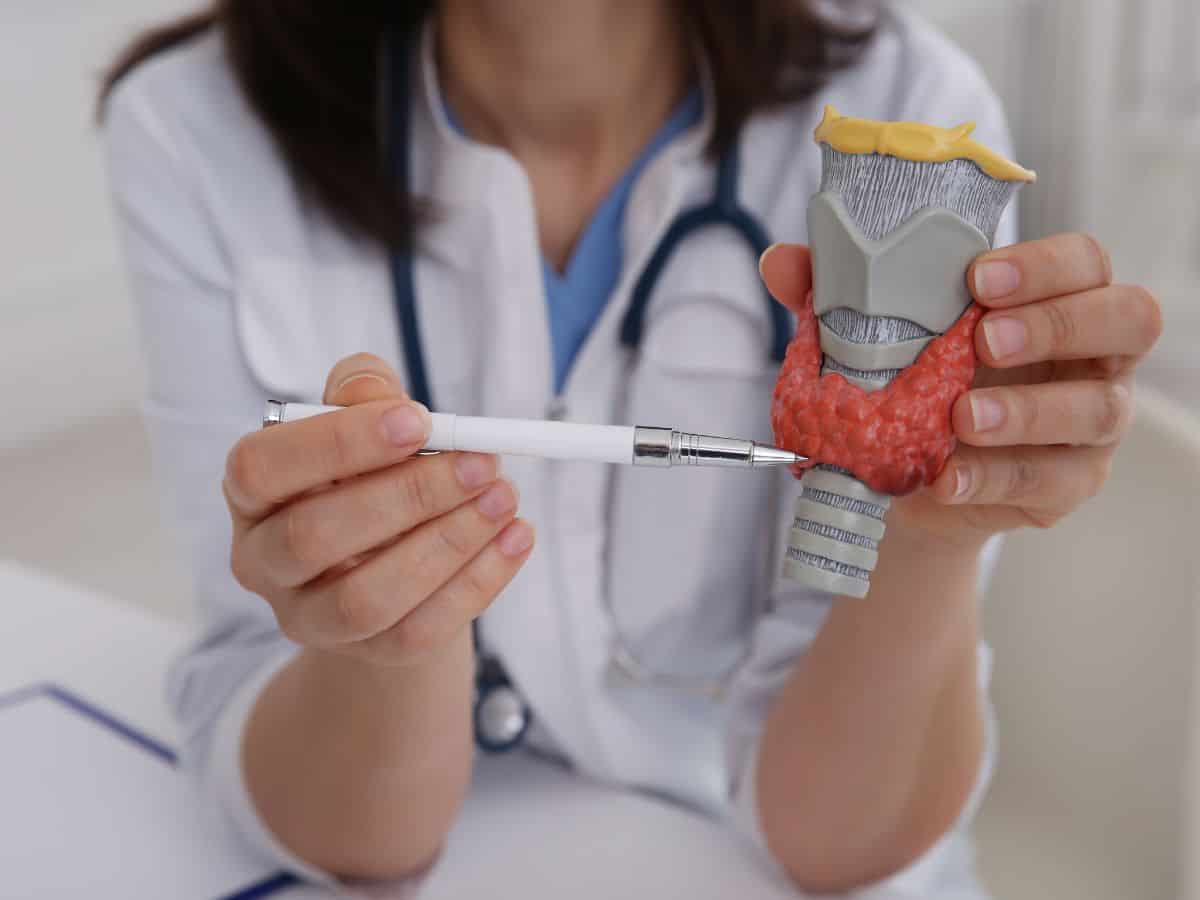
[885, 343]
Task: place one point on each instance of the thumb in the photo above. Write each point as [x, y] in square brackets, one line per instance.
[786, 269]
[361, 378]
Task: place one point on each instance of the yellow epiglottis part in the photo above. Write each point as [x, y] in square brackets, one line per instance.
[915, 142]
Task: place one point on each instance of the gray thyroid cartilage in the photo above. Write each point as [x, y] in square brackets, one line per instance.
[891, 239]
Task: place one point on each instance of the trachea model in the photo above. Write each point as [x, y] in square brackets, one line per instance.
[885, 344]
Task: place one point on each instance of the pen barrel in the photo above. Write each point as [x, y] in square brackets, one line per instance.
[509, 437]
[530, 437]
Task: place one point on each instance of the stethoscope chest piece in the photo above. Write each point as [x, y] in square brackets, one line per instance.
[501, 715]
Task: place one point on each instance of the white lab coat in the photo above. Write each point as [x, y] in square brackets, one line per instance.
[246, 292]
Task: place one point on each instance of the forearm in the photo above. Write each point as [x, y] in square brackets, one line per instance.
[360, 769]
[871, 749]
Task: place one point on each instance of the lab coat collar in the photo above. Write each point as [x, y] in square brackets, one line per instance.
[456, 174]
[458, 171]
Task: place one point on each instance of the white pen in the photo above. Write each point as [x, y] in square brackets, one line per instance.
[621, 444]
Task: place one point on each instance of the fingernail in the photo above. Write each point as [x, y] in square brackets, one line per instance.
[1005, 337]
[996, 279]
[475, 470]
[962, 482]
[764, 256]
[358, 376]
[498, 500]
[406, 425]
[515, 539]
[987, 412]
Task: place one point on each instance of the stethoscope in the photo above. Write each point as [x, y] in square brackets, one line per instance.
[501, 715]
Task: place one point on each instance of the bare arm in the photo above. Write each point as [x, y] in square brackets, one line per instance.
[361, 769]
[357, 754]
[873, 746]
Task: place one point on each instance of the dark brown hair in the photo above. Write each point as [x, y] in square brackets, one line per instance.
[310, 70]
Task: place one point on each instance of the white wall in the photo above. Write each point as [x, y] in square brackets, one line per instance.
[67, 348]
[75, 493]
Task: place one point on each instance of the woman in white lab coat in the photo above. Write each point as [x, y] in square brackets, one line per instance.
[331, 713]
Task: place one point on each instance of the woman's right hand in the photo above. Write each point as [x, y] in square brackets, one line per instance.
[358, 545]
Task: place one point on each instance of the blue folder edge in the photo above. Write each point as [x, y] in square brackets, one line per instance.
[78, 705]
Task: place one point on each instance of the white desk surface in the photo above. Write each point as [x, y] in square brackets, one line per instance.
[528, 830]
[105, 651]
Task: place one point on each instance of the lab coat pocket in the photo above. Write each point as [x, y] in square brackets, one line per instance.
[704, 336]
[689, 569]
[296, 319]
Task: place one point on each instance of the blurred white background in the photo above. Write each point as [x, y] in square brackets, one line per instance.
[1104, 96]
[73, 461]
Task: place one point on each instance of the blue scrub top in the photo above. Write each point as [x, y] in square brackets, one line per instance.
[576, 297]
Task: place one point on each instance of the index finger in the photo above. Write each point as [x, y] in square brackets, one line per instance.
[1038, 270]
[269, 467]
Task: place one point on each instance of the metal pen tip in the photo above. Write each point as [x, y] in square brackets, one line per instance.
[766, 455]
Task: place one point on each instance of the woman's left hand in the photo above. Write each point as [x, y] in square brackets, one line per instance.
[1053, 395]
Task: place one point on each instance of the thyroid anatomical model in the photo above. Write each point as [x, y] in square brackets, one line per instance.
[885, 343]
